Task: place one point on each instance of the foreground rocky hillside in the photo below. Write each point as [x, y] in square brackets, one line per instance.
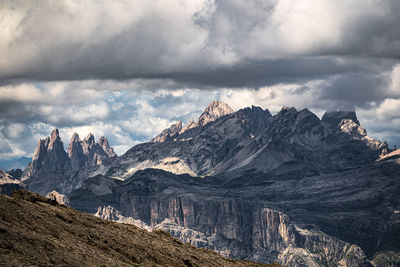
[35, 231]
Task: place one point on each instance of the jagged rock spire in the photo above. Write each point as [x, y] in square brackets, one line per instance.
[103, 142]
[75, 152]
[49, 155]
[88, 153]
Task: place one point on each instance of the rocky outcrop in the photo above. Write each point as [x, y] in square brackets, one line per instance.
[103, 143]
[75, 153]
[59, 198]
[189, 125]
[8, 184]
[348, 123]
[335, 117]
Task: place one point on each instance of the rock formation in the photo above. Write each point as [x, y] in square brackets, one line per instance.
[235, 221]
[49, 156]
[189, 125]
[87, 153]
[348, 123]
[59, 198]
[54, 169]
[214, 110]
[8, 184]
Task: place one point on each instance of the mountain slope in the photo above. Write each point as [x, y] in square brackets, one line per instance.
[38, 231]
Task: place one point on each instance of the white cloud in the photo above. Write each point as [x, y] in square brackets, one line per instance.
[15, 130]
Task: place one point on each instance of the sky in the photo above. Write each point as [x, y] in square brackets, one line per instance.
[127, 69]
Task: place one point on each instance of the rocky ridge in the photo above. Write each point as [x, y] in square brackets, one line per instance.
[253, 140]
[214, 110]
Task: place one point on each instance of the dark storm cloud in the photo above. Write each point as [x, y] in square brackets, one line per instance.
[255, 74]
[210, 43]
[14, 110]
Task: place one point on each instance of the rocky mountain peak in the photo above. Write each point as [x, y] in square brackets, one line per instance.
[89, 139]
[75, 138]
[285, 110]
[103, 142]
[213, 111]
[49, 155]
[335, 117]
[54, 140]
[75, 152]
[54, 135]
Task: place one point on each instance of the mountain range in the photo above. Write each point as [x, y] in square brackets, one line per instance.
[15, 163]
[289, 188]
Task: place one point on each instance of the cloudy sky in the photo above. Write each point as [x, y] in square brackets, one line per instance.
[127, 69]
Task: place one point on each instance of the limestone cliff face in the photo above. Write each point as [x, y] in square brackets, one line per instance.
[268, 236]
